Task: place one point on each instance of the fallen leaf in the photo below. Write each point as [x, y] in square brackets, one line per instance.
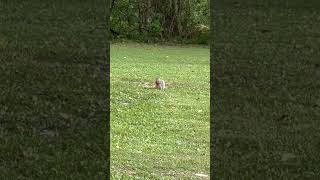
[201, 175]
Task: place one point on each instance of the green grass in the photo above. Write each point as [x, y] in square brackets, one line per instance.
[266, 90]
[52, 91]
[159, 134]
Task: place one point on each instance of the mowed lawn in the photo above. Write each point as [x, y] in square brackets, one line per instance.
[159, 134]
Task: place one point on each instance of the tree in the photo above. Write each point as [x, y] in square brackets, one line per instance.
[159, 18]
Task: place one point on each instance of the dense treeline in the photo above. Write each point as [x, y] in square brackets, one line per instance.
[183, 20]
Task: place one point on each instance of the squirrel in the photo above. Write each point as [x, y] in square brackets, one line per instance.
[160, 84]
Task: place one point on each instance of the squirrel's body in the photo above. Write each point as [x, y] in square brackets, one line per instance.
[160, 84]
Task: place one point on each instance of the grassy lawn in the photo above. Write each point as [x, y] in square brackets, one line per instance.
[266, 89]
[159, 134]
[52, 90]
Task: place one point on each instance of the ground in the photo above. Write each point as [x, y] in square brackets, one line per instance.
[159, 134]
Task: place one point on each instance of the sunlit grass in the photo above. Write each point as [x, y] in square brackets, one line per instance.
[159, 133]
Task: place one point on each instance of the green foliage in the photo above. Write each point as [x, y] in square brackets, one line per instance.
[155, 28]
[162, 20]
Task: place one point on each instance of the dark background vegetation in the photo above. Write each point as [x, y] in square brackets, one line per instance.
[53, 89]
[182, 21]
[265, 89]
